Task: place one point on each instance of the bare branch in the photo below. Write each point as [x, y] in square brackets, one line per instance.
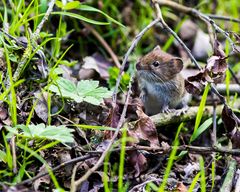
[44, 19]
[224, 18]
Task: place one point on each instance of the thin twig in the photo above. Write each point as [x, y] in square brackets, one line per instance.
[104, 44]
[73, 176]
[190, 149]
[35, 35]
[202, 150]
[215, 26]
[77, 159]
[214, 133]
[138, 187]
[233, 75]
[233, 88]
[163, 119]
[224, 18]
[14, 156]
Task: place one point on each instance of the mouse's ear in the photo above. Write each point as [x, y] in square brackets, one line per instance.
[177, 64]
[171, 68]
[157, 48]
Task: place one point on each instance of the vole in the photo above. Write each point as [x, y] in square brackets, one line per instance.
[161, 84]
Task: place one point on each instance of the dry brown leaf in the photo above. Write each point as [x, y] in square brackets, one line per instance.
[138, 161]
[144, 129]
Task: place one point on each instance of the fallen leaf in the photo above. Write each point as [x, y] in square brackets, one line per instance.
[191, 169]
[138, 161]
[41, 108]
[229, 119]
[97, 63]
[231, 122]
[144, 129]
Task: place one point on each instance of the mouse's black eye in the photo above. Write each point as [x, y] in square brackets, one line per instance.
[156, 63]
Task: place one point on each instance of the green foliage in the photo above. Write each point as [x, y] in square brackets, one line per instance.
[9, 156]
[68, 6]
[95, 127]
[93, 9]
[80, 17]
[113, 75]
[81, 7]
[3, 156]
[201, 109]
[121, 187]
[203, 177]
[194, 182]
[170, 160]
[40, 131]
[213, 175]
[37, 156]
[13, 103]
[201, 129]
[85, 90]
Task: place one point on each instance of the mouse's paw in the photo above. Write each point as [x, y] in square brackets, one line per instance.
[167, 110]
[182, 111]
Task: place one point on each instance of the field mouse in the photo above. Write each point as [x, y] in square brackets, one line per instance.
[161, 84]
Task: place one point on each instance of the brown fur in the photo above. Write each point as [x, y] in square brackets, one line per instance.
[169, 66]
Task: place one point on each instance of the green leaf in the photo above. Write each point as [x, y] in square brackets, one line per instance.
[182, 153]
[40, 131]
[194, 182]
[58, 71]
[85, 90]
[113, 75]
[83, 87]
[59, 4]
[43, 6]
[201, 129]
[91, 93]
[95, 127]
[80, 17]
[66, 84]
[3, 156]
[201, 108]
[65, 88]
[69, 5]
[72, 5]
[89, 8]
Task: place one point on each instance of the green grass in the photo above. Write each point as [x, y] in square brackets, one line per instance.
[170, 160]
[200, 113]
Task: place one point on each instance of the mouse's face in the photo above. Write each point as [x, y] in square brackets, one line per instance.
[158, 66]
